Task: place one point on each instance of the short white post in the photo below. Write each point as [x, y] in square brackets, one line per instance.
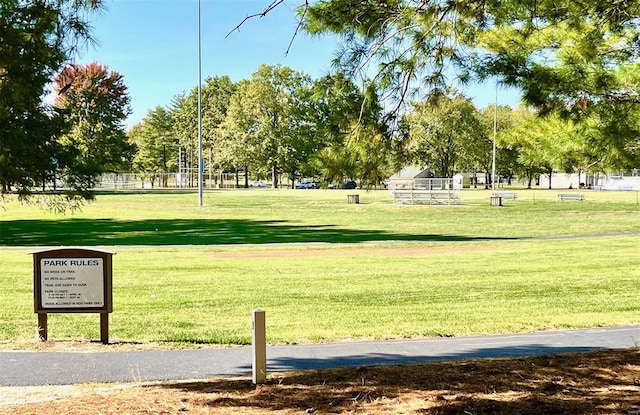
[259, 347]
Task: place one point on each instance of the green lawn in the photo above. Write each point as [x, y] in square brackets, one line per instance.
[266, 216]
[436, 270]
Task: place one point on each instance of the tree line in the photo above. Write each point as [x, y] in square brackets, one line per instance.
[575, 61]
[281, 122]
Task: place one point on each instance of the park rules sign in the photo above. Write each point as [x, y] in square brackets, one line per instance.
[72, 280]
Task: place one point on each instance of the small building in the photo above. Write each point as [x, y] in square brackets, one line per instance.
[621, 183]
[571, 181]
[413, 172]
[559, 181]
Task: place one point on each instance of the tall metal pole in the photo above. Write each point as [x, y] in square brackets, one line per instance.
[200, 164]
[495, 133]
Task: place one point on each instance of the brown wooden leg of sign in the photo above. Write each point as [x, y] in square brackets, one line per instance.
[104, 328]
[42, 326]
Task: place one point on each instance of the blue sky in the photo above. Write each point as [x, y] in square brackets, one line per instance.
[154, 44]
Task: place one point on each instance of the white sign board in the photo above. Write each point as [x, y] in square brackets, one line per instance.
[72, 282]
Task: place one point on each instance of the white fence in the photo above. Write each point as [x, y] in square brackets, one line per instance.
[133, 181]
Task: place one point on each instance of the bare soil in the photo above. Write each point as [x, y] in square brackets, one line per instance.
[399, 251]
[602, 382]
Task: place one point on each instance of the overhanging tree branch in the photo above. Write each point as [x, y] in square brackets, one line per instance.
[274, 4]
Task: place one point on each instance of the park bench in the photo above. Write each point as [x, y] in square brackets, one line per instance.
[570, 196]
[505, 195]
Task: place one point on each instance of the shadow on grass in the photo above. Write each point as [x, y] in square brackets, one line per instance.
[190, 232]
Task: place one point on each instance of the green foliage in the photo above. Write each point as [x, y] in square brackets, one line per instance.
[443, 133]
[577, 58]
[95, 103]
[237, 145]
[157, 147]
[578, 68]
[575, 61]
[339, 104]
[334, 163]
[506, 120]
[184, 119]
[355, 139]
[35, 40]
[216, 96]
[552, 143]
[267, 124]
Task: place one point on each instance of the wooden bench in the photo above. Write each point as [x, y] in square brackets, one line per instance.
[506, 195]
[570, 196]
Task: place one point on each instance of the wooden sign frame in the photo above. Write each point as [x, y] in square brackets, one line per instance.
[73, 280]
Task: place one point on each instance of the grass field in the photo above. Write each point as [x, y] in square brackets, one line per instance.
[326, 270]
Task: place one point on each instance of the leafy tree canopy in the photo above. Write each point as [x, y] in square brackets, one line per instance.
[36, 39]
[419, 42]
[96, 104]
[578, 58]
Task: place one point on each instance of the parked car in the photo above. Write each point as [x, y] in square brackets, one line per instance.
[350, 184]
[347, 184]
[306, 185]
[257, 183]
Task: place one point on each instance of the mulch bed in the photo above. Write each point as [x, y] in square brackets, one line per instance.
[602, 382]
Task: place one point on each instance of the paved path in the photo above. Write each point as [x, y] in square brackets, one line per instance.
[18, 368]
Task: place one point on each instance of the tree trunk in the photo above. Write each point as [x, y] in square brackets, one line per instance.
[292, 178]
[274, 175]
[579, 174]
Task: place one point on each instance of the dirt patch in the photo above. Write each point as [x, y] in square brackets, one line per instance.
[400, 251]
[604, 382]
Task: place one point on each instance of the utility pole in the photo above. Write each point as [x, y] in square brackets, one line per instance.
[200, 166]
[495, 133]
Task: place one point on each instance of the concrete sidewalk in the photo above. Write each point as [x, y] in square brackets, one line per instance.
[19, 368]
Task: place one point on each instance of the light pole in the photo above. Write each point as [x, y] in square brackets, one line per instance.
[200, 166]
[495, 133]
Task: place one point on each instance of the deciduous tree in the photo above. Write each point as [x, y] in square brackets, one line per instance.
[157, 147]
[574, 57]
[215, 99]
[440, 133]
[95, 103]
[272, 120]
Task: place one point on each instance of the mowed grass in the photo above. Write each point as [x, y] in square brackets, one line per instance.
[281, 216]
[383, 271]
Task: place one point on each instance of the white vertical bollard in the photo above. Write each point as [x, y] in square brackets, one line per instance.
[259, 341]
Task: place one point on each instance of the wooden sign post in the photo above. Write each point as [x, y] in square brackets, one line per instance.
[259, 343]
[73, 280]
